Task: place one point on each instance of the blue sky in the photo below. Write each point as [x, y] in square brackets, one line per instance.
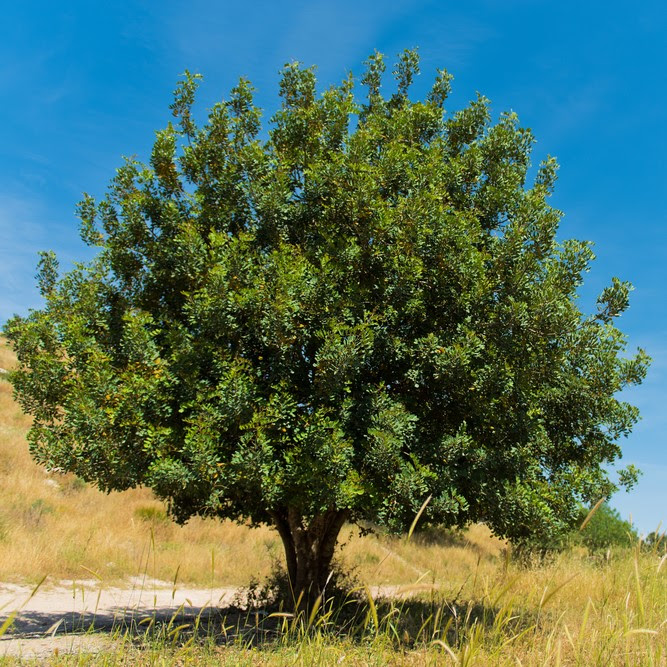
[84, 84]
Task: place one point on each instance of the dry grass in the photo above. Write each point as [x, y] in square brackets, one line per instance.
[570, 612]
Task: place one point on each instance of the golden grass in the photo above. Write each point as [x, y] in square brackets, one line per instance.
[570, 612]
[477, 606]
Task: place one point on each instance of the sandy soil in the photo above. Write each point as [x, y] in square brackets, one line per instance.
[77, 616]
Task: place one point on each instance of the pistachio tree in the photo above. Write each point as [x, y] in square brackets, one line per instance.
[334, 319]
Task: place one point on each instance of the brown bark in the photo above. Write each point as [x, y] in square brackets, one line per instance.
[309, 549]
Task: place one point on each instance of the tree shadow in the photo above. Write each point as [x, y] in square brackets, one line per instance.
[407, 622]
[40, 624]
[418, 621]
[441, 537]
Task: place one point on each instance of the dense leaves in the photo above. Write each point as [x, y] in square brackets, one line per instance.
[368, 307]
[606, 529]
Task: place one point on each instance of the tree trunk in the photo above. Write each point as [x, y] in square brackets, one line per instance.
[309, 549]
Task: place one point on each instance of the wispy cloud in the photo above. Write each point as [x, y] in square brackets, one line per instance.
[26, 228]
[23, 231]
[28, 67]
[566, 114]
[334, 36]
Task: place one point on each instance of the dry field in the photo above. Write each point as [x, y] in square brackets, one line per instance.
[470, 603]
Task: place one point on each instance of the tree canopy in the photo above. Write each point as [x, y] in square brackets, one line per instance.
[362, 308]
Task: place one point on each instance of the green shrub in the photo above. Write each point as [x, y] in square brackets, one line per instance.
[656, 541]
[75, 485]
[536, 550]
[606, 529]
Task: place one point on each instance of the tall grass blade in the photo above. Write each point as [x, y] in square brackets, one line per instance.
[568, 634]
[173, 589]
[51, 631]
[313, 612]
[177, 630]
[447, 649]
[95, 574]
[546, 597]
[513, 638]
[174, 616]
[10, 619]
[35, 589]
[8, 623]
[416, 519]
[372, 609]
[584, 620]
[429, 618]
[594, 509]
[504, 590]
[640, 597]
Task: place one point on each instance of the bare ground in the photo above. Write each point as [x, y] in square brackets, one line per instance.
[80, 616]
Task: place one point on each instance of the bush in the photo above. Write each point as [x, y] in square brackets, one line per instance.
[38, 509]
[343, 589]
[538, 550]
[606, 529]
[656, 541]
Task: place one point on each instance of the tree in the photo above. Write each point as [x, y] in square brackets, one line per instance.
[606, 529]
[364, 309]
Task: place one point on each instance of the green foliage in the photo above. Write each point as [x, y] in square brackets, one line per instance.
[366, 308]
[75, 485]
[606, 529]
[655, 541]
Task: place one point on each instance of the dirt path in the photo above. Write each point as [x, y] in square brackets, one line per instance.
[73, 616]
